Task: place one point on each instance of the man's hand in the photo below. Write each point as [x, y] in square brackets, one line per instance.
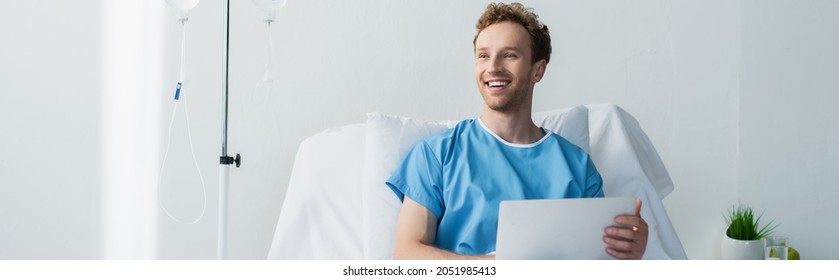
[628, 239]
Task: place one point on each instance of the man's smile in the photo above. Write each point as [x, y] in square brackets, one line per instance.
[496, 84]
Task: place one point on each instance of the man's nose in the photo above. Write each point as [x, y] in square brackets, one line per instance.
[495, 66]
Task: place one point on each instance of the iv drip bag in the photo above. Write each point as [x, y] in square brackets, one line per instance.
[183, 7]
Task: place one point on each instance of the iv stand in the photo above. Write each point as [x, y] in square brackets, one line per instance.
[225, 161]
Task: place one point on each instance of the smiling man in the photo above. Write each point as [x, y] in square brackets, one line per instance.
[452, 183]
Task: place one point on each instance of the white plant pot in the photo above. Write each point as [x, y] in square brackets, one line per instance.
[733, 249]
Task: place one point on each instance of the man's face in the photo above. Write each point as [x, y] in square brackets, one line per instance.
[503, 70]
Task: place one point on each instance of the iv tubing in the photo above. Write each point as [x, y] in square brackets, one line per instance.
[189, 135]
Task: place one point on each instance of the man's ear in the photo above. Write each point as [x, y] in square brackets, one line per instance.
[539, 70]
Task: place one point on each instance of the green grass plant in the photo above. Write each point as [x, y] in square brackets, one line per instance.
[744, 225]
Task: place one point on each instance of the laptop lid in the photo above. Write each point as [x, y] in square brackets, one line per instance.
[543, 229]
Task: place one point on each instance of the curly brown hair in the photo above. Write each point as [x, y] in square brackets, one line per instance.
[540, 38]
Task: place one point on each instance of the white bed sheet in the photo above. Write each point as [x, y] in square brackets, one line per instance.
[321, 214]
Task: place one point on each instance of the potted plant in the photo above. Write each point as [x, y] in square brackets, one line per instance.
[744, 235]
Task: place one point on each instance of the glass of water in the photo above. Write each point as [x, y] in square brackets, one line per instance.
[775, 248]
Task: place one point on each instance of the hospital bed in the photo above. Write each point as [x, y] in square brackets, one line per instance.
[338, 207]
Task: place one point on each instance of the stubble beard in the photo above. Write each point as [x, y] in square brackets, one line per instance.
[508, 103]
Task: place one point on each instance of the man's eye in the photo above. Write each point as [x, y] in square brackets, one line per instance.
[510, 55]
[483, 55]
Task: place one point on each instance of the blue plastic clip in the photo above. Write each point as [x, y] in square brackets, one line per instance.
[178, 91]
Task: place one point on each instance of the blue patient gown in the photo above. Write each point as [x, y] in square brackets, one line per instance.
[462, 174]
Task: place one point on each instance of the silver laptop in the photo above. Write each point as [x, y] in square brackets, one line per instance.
[557, 229]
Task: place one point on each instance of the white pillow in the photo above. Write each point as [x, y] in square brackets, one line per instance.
[387, 141]
[570, 123]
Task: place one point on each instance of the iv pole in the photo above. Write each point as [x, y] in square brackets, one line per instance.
[225, 161]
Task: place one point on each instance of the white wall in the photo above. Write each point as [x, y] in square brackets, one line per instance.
[694, 74]
[49, 129]
[789, 134]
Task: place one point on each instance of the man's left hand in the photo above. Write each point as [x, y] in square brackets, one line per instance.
[628, 239]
